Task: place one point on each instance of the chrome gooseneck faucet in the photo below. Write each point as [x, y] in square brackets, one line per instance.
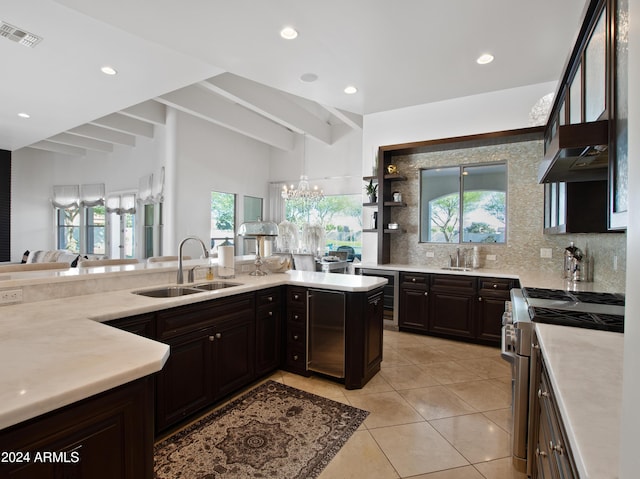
[180, 279]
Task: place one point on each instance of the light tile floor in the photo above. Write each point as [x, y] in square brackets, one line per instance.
[438, 409]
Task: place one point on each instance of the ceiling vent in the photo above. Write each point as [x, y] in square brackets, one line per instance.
[17, 35]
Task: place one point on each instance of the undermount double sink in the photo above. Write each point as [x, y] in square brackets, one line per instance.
[175, 291]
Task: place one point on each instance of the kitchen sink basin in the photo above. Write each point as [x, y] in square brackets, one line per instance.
[215, 285]
[175, 291]
[169, 291]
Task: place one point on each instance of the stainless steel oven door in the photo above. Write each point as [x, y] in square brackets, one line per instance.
[520, 398]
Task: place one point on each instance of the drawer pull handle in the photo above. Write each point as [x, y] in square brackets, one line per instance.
[296, 296]
[270, 313]
[495, 286]
[270, 299]
[479, 298]
[295, 357]
[542, 393]
[212, 338]
[296, 337]
[218, 335]
[295, 316]
[557, 448]
[413, 280]
[426, 293]
[540, 453]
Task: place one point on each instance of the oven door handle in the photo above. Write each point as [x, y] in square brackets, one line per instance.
[507, 352]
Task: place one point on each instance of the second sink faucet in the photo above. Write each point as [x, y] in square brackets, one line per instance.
[180, 279]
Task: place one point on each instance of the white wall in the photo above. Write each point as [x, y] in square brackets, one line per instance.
[35, 172]
[630, 424]
[488, 112]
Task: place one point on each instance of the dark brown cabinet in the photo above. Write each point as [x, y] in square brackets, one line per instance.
[413, 312]
[268, 330]
[492, 294]
[296, 331]
[454, 306]
[579, 207]
[107, 436]
[451, 307]
[553, 458]
[142, 325]
[212, 354]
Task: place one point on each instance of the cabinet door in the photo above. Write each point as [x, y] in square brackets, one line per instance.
[185, 384]
[451, 314]
[108, 436]
[234, 353]
[489, 324]
[268, 339]
[414, 311]
[374, 320]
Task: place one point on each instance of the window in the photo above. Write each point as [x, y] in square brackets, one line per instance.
[223, 218]
[80, 218]
[340, 215]
[121, 219]
[68, 228]
[464, 204]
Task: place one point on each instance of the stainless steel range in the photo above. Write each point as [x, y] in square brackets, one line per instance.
[592, 310]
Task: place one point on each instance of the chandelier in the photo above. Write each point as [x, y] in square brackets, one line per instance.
[303, 191]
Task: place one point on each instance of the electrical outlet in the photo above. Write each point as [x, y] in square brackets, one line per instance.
[546, 252]
[11, 296]
[491, 257]
[430, 254]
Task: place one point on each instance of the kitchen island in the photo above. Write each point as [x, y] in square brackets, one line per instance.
[58, 359]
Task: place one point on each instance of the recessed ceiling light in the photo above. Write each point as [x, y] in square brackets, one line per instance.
[308, 77]
[107, 70]
[24, 115]
[350, 90]
[485, 58]
[288, 33]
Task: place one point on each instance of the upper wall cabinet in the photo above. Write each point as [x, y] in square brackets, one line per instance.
[586, 136]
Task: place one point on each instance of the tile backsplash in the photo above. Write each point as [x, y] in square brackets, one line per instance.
[525, 210]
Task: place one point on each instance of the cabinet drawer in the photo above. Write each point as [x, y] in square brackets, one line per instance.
[296, 359]
[414, 280]
[498, 285]
[296, 337]
[297, 296]
[184, 319]
[445, 281]
[297, 316]
[267, 297]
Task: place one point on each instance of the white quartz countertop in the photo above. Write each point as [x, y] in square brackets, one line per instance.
[585, 368]
[56, 352]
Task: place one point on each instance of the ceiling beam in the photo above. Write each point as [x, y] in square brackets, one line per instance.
[352, 119]
[199, 102]
[270, 103]
[104, 134]
[58, 148]
[81, 142]
[125, 124]
[149, 111]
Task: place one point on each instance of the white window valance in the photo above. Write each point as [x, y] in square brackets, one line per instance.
[66, 196]
[121, 204]
[92, 195]
[157, 189]
[145, 189]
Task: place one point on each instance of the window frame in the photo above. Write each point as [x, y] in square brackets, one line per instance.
[426, 205]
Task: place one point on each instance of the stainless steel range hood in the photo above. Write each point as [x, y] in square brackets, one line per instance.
[577, 153]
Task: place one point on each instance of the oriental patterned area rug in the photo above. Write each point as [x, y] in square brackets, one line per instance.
[272, 431]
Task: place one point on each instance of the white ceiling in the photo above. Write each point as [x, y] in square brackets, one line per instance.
[397, 53]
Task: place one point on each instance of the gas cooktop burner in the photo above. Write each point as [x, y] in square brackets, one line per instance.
[574, 296]
[605, 322]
